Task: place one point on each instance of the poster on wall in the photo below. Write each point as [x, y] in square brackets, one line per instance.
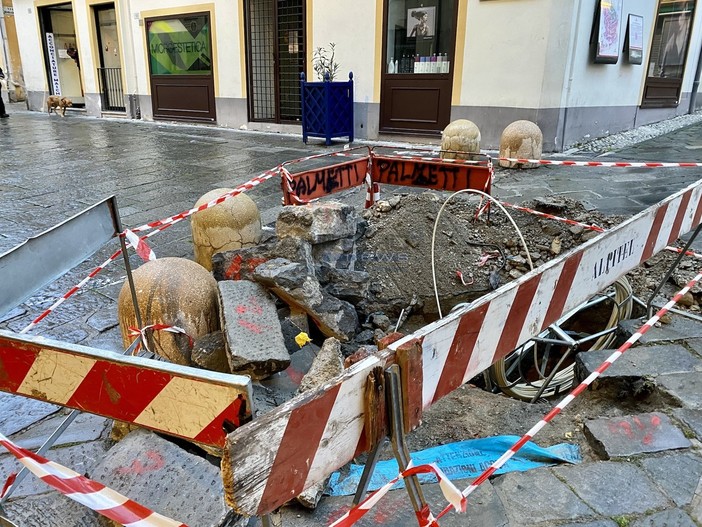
[633, 41]
[608, 21]
[421, 22]
[53, 64]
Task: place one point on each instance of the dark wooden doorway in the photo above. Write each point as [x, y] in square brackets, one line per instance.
[275, 52]
[180, 63]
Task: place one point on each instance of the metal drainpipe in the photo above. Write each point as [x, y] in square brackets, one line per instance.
[695, 84]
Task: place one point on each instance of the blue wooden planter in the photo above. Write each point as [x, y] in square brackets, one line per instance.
[327, 108]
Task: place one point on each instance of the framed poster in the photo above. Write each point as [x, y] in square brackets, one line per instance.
[633, 41]
[608, 23]
[421, 22]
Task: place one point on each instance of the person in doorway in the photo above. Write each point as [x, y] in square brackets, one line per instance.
[3, 113]
[421, 28]
[72, 52]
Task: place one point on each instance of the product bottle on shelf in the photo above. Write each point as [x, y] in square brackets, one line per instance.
[415, 66]
[397, 67]
[391, 66]
[433, 64]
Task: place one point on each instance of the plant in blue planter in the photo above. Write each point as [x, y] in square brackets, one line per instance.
[327, 106]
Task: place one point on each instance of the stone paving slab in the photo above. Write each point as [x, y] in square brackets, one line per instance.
[691, 418]
[80, 458]
[53, 509]
[84, 428]
[677, 474]
[685, 387]
[484, 510]
[634, 435]
[680, 328]
[599, 523]
[20, 412]
[613, 488]
[537, 496]
[642, 360]
[165, 478]
[667, 518]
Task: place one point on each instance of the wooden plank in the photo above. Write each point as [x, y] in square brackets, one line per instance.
[177, 400]
[262, 448]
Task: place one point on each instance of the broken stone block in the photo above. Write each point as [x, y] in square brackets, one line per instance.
[327, 365]
[166, 479]
[209, 352]
[317, 222]
[340, 254]
[254, 340]
[291, 282]
[344, 284]
[239, 264]
[174, 292]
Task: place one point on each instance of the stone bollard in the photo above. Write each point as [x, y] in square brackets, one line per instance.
[175, 292]
[461, 135]
[523, 140]
[232, 224]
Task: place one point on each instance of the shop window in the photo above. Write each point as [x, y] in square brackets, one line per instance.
[180, 46]
[419, 36]
[669, 47]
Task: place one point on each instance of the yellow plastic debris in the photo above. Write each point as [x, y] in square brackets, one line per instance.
[302, 338]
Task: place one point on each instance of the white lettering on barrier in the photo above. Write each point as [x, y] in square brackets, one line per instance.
[53, 64]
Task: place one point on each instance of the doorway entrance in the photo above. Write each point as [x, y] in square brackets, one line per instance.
[61, 52]
[110, 69]
[275, 55]
[180, 63]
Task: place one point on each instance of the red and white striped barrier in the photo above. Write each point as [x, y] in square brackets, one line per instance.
[425, 518]
[270, 460]
[92, 494]
[169, 398]
[572, 395]
[604, 164]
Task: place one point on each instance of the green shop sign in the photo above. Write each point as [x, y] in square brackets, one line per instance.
[180, 46]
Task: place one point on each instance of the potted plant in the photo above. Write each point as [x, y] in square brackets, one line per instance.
[327, 105]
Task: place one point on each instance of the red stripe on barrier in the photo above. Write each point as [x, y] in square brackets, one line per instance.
[562, 290]
[297, 450]
[517, 315]
[102, 390]
[460, 352]
[698, 213]
[14, 367]
[213, 432]
[654, 232]
[679, 217]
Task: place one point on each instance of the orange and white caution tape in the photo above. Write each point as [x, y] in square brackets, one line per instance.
[687, 253]
[553, 217]
[135, 332]
[140, 246]
[572, 395]
[92, 494]
[425, 518]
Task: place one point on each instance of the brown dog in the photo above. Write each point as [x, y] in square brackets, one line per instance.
[58, 103]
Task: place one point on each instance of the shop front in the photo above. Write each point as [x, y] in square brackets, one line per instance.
[419, 42]
[180, 67]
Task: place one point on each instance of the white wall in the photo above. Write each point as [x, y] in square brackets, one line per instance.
[30, 45]
[351, 25]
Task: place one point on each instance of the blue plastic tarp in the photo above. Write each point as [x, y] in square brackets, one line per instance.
[465, 459]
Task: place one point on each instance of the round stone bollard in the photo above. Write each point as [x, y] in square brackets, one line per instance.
[174, 292]
[232, 224]
[461, 135]
[522, 140]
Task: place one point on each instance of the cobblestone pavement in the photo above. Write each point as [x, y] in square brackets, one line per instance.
[52, 168]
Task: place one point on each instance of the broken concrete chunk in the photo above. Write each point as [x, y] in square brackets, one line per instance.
[344, 284]
[209, 352]
[290, 281]
[254, 340]
[337, 253]
[318, 222]
[328, 364]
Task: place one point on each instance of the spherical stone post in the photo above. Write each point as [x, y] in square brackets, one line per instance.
[521, 140]
[232, 224]
[174, 292]
[461, 136]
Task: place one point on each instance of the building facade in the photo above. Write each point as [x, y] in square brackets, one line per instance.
[579, 69]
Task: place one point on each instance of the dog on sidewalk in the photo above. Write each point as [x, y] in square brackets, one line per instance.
[56, 103]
